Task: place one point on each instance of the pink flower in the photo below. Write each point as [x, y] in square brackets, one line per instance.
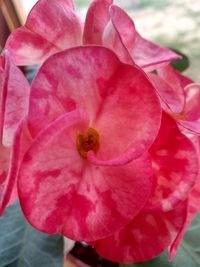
[88, 173]
[92, 120]
[100, 161]
[14, 93]
[53, 26]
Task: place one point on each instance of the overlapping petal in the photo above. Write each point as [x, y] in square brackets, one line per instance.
[65, 189]
[175, 165]
[169, 88]
[21, 141]
[51, 26]
[191, 112]
[14, 98]
[193, 209]
[120, 35]
[180, 96]
[147, 236]
[97, 18]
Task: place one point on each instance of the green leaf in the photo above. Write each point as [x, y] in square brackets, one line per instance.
[23, 246]
[188, 254]
[182, 64]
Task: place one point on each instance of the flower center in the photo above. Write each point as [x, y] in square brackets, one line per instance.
[88, 141]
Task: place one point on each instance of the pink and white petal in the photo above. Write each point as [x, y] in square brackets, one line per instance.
[191, 119]
[192, 95]
[73, 78]
[97, 18]
[4, 165]
[175, 167]
[150, 56]
[171, 98]
[119, 34]
[193, 209]
[58, 188]
[147, 236]
[174, 82]
[184, 80]
[191, 126]
[51, 26]
[14, 102]
[130, 115]
[21, 142]
[28, 48]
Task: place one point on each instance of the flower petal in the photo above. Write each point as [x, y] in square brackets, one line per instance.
[143, 52]
[60, 192]
[151, 56]
[147, 236]
[70, 79]
[97, 18]
[175, 166]
[120, 34]
[11, 159]
[51, 26]
[193, 209]
[191, 120]
[130, 115]
[168, 86]
[15, 99]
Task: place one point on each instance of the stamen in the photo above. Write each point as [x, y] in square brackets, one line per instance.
[88, 141]
[179, 116]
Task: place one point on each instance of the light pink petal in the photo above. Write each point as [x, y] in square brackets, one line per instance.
[51, 26]
[60, 192]
[12, 160]
[97, 18]
[119, 34]
[4, 165]
[184, 80]
[147, 236]
[193, 209]
[191, 112]
[169, 86]
[14, 101]
[130, 115]
[191, 213]
[151, 56]
[73, 78]
[171, 94]
[175, 166]
[92, 78]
